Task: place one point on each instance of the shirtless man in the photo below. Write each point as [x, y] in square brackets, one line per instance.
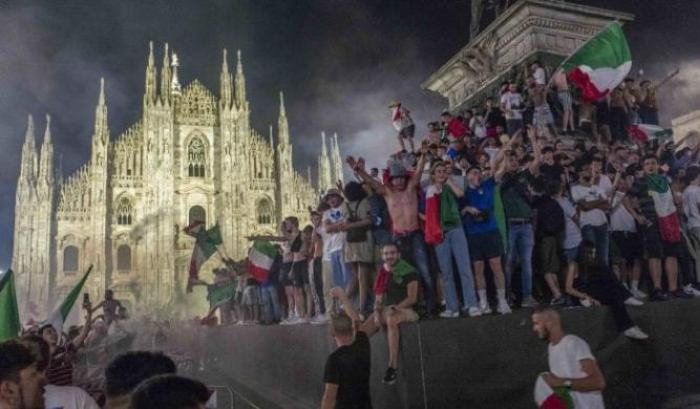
[564, 94]
[401, 197]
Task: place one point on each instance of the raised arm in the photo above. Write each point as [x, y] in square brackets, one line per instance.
[457, 190]
[358, 167]
[414, 182]
[536, 150]
[78, 341]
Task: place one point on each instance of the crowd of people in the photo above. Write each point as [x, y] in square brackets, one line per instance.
[535, 199]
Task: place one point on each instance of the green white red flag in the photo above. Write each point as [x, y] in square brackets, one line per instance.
[548, 398]
[206, 244]
[10, 325]
[260, 259]
[648, 132]
[669, 224]
[58, 317]
[601, 64]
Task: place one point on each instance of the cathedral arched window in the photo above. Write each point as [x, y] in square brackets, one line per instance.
[196, 158]
[124, 258]
[197, 213]
[264, 212]
[71, 256]
[124, 212]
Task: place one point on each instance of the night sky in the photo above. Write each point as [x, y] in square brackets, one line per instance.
[338, 62]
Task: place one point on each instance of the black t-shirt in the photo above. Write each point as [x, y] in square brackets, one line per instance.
[349, 368]
[552, 172]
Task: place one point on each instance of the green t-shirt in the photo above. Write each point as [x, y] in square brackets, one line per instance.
[397, 292]
[513, 188]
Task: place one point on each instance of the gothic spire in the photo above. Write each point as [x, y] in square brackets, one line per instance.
[29, 138]
[335, 159]
[46, 160]
[149, 96]
[47, 132]
[324, 166]
[101, 128]
[282, 123]
[165, 77]
[240, 82]
[225, 83]
[175, 84]
[29, 160]
[272, 145]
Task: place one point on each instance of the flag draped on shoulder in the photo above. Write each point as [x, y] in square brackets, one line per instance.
[433, 225]
[601, 64]
[548, 398]
[60, 314]
[206, 244]
[397, 274]
[260, 259]
[660, 192]
[9, 312]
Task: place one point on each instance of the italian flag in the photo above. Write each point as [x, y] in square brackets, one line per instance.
[260, 259]
[647, 132]
[433, 221]
[669, 224]
[60, 314]
[548, 398]
[9, 312]
[206, 244]
[601, 64]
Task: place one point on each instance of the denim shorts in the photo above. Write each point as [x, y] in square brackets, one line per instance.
[571, 254]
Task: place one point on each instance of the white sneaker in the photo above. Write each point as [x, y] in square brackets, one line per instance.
[449, 314]
[485, 307]
[637, 293]
[320, 319]
[474, 312]
[689, 289]
[503, 307]
[529, 302]
[633, 302]
[635, 333]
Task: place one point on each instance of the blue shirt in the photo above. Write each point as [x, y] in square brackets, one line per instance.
[483, 199]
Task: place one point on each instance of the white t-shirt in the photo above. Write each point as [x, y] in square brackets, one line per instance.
[595, 217]
[512, 102]
[691, 205]
[565, 362]
[332, 242]
[621, 219]
[540, 76]
[572, 237]
[67, 397]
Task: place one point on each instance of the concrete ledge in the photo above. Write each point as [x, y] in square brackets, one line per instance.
[489, 362]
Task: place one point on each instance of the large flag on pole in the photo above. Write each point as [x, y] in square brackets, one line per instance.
[647, 132]
[260, 259]
[601, 64]
[9, 312]
[60, 314]
[206, 244]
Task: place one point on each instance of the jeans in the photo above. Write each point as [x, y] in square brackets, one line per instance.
[598, 235]
[412, 248]
[270, 300]
[455, 245]
[521, 241]
[340, 269]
